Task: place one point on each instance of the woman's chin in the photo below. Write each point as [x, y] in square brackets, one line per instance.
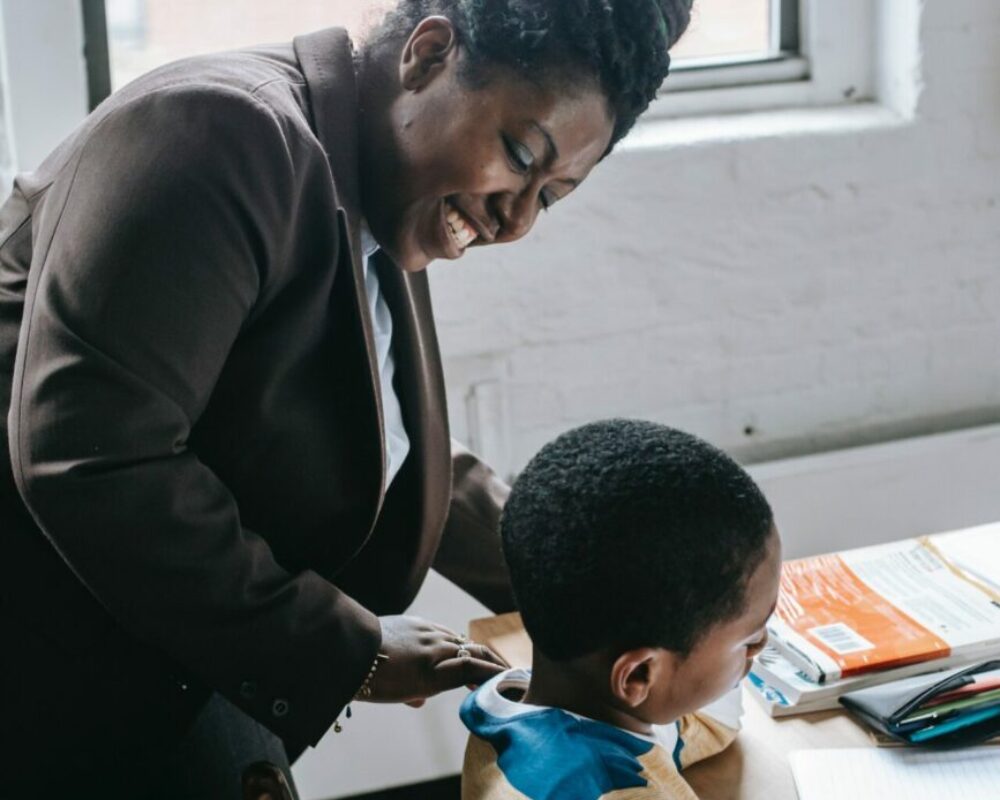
[415, 260]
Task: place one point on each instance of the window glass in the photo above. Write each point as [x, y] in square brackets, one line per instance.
[144, 34]
[727, 29]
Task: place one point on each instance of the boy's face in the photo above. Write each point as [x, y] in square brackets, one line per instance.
[723, 656]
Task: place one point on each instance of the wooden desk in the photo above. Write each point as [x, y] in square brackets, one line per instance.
[755, 766]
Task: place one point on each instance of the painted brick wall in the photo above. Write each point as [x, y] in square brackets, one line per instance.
[776, 295]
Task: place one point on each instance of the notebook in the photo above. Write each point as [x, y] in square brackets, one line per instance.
[872, 774]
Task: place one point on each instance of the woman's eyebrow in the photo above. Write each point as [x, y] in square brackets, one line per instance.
[553, 151]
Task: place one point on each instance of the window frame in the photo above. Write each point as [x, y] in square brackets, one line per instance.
[804, 67]
[825, 57]
[783, 62]
[96, 51]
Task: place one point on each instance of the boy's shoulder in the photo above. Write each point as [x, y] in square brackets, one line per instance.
[543, 753]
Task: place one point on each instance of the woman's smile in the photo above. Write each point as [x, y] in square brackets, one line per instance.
[460, 232]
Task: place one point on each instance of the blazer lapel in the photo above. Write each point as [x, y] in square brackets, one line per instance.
[420, 386]
[327, 63]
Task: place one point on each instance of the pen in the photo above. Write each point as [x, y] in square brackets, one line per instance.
[966, 704]
[950, 726]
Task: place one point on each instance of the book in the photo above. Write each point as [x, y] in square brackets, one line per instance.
[799, 694]
[930, 599]
[777, 705]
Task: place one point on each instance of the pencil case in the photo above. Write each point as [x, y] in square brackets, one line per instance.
[936, 710]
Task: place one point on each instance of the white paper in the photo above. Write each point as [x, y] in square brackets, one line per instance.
[975, 550]
[874, 774]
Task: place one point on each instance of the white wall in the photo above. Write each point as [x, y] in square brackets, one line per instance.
[44, 80]
[832, 278]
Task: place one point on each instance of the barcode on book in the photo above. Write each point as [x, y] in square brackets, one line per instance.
[841, 638]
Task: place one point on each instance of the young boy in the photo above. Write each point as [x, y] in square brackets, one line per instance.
[645, 564]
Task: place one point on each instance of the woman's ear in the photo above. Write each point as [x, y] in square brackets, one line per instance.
[426, 53]
[635, 673]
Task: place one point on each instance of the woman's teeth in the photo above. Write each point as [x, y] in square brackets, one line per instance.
[461, 231]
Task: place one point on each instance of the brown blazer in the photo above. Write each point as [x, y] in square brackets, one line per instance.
[194, 499]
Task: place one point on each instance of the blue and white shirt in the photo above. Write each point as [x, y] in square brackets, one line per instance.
[397, 442]
[518, 751]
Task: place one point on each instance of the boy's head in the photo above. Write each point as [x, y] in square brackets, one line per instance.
[645, 555]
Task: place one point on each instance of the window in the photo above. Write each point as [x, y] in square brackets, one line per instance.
[738, 55]
[789, 53]
[738, 42]
[724, 32]
[142, 34]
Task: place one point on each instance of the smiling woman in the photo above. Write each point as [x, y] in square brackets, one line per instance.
[440, 178]
[230, 468]
[501, 114]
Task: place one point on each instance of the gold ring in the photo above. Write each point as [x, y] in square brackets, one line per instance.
[463, 653]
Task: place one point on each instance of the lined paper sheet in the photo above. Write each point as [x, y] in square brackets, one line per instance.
[872, 774]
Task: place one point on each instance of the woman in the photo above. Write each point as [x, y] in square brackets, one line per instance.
[229, 457]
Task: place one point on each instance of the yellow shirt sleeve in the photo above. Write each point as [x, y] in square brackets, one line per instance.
[703, 737]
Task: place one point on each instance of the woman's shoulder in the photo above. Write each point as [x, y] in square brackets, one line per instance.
[268, 78]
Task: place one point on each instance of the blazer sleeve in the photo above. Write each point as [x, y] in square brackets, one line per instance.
[153, 245]
[470, 554]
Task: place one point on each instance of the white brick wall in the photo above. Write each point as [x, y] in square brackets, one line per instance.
[817, 289]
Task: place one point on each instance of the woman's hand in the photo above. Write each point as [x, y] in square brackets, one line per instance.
[425, 659]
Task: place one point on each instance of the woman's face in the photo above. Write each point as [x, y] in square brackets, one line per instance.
[475, 166]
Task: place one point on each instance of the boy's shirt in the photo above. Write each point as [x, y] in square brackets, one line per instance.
[518, 751]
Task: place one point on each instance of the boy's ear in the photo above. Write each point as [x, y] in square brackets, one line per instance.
[426, 52]
[635, 673]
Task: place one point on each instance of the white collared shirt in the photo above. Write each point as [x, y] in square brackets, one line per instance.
[397, 442]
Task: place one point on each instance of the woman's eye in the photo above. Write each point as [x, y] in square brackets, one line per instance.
[519, 155]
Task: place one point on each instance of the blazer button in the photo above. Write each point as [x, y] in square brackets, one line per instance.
[248, 689]
[279, 707]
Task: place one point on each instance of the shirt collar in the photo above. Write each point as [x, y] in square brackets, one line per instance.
[368, 244]
[490, 698]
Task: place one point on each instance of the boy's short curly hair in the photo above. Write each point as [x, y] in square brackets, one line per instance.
[621, 43]
[625, 533]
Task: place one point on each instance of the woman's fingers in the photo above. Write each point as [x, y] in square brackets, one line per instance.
[424, 658]
[487, 654]
[448, 632]
[448, 650]
[454, 672]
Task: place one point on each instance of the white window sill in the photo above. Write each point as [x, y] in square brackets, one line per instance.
[693, 131]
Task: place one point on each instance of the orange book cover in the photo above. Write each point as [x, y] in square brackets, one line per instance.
[881, 607]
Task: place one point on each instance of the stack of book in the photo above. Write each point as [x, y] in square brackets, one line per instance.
[877, 614]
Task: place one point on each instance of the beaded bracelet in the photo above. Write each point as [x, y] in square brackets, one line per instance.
[365, 692]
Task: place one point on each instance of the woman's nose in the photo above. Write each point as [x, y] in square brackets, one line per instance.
[516, 213]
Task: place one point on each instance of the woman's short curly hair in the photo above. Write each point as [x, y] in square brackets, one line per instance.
[622, 44]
